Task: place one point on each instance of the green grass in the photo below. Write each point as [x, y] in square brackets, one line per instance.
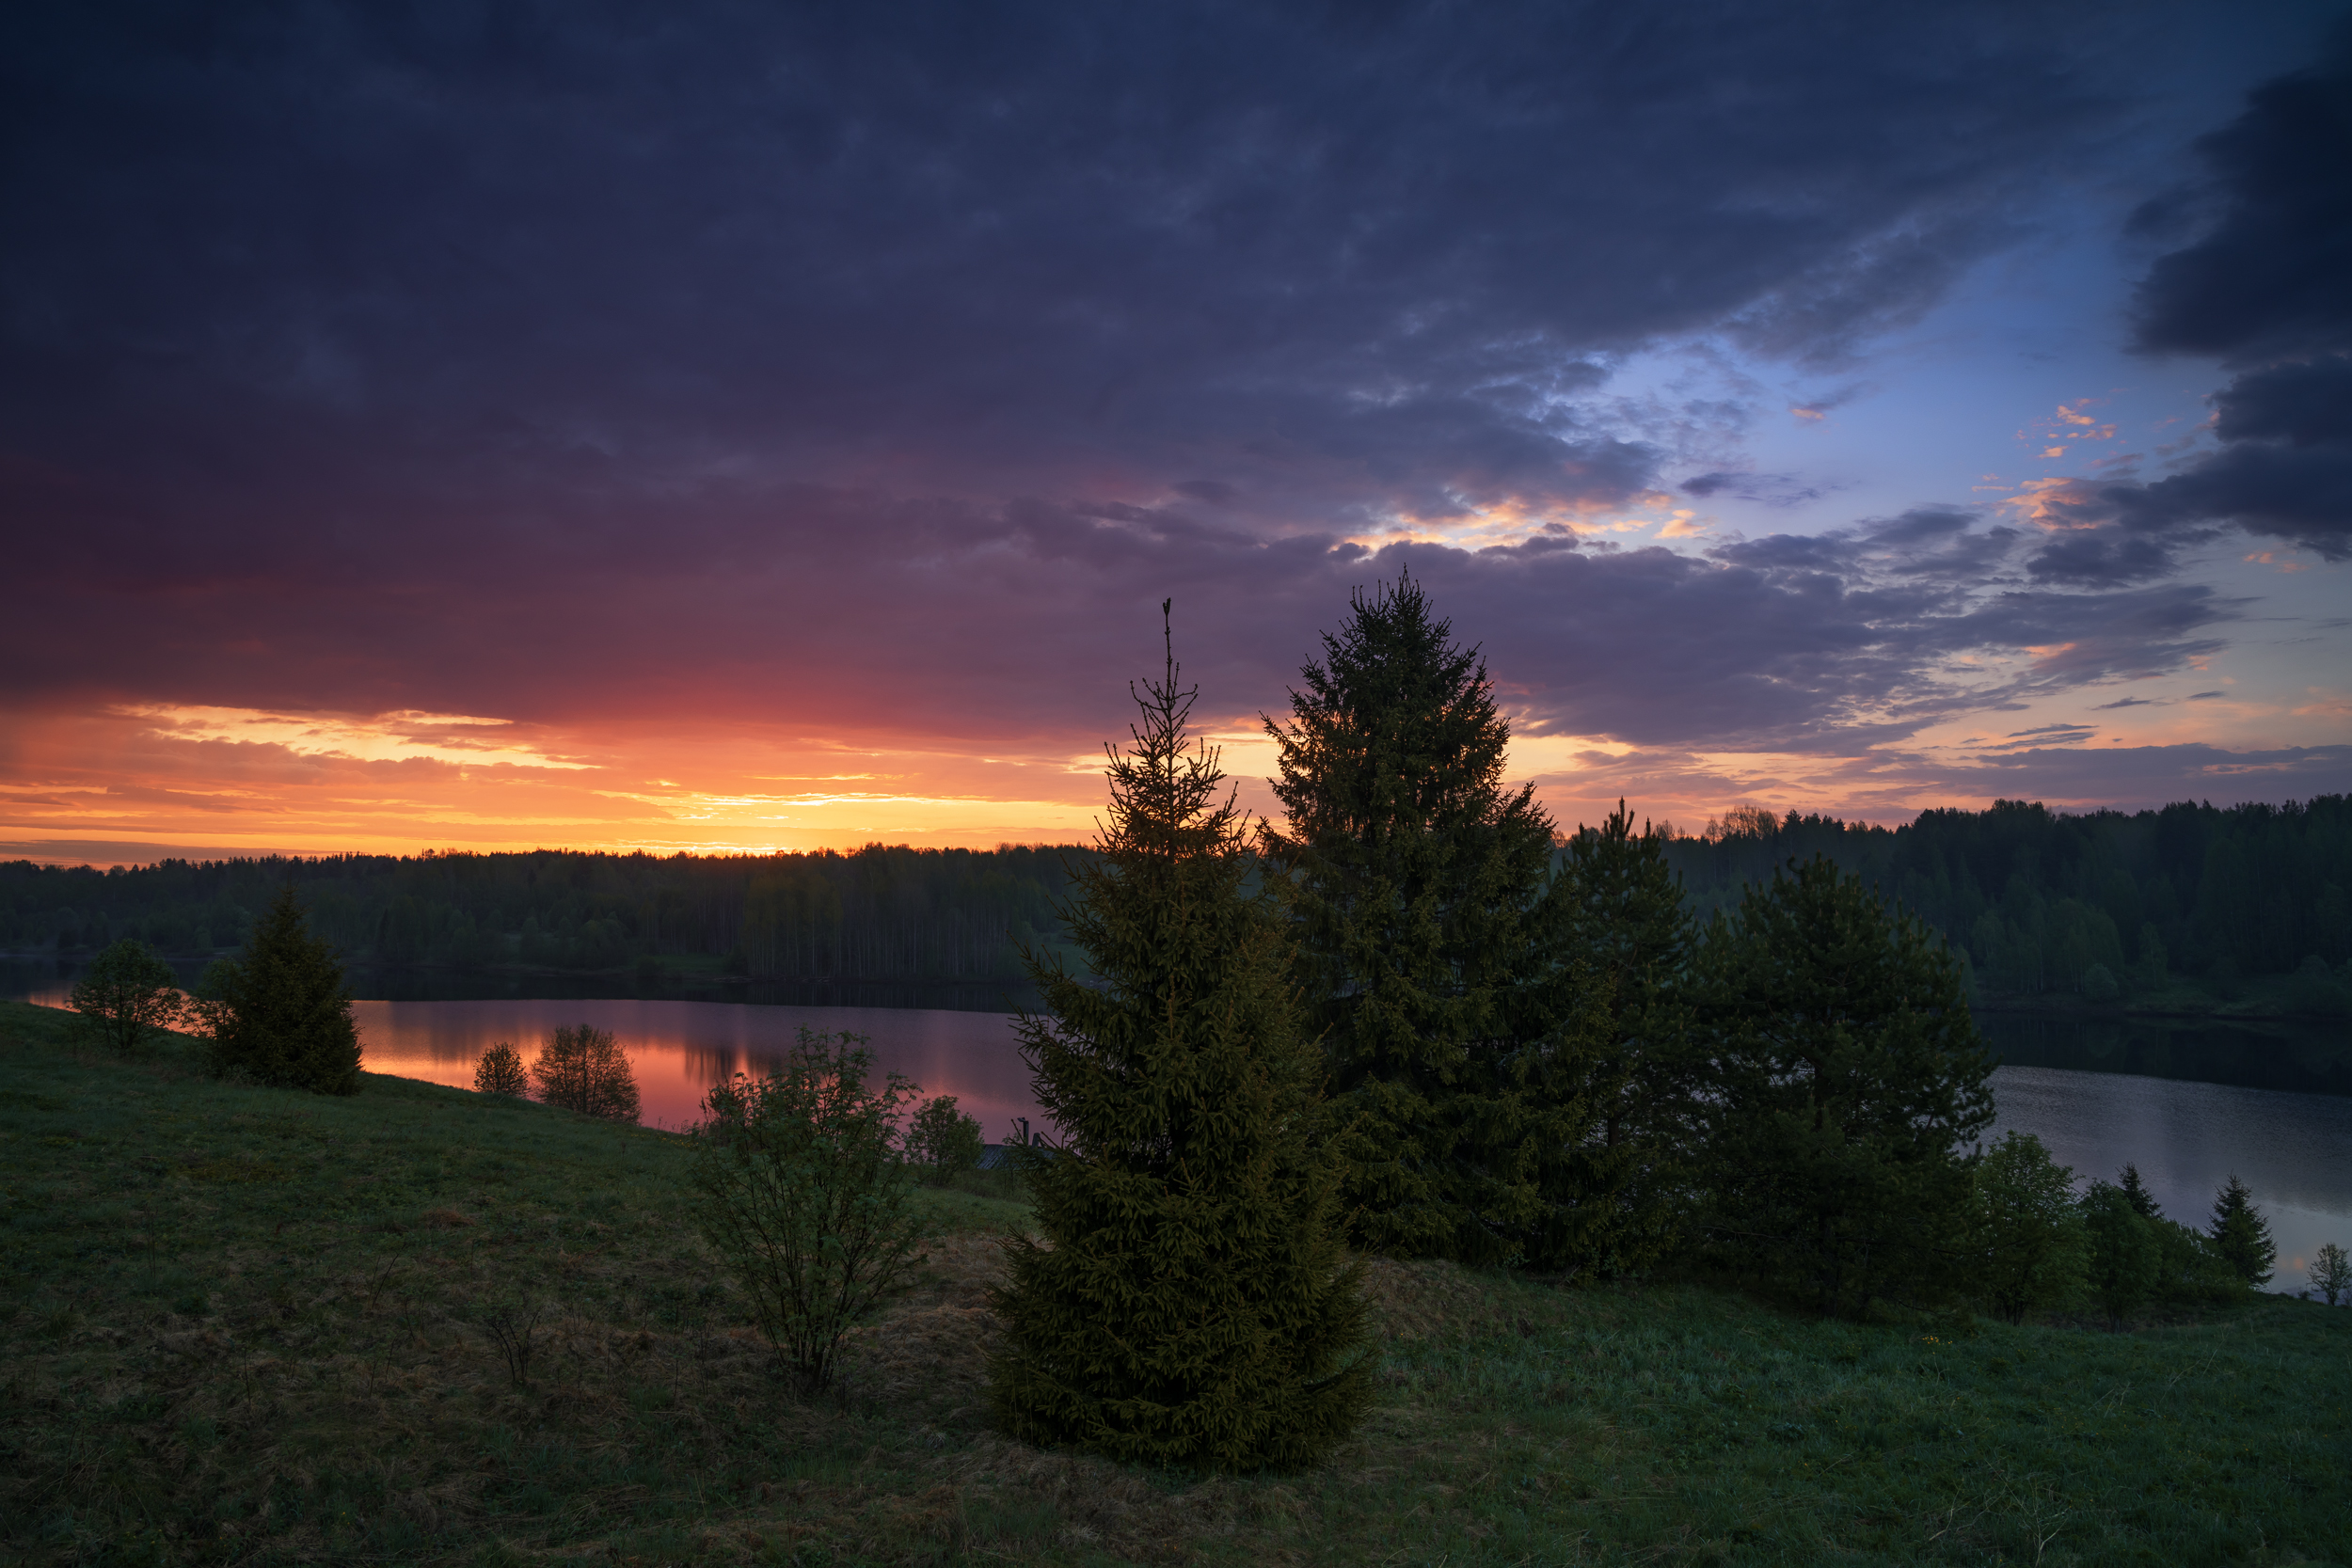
[245, 1326]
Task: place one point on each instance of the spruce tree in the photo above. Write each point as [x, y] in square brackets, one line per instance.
[1848, 1077]
[1433, 948]
[1187, 1299]
[2241, 1235]
[2136, 1192]
[1615, 1199]
[280, 1014]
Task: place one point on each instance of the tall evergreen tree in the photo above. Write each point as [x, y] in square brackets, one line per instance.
[1432, 946]
[1187, 1300]
[1617, 1198]
[280, 1014]
[1848, 1076]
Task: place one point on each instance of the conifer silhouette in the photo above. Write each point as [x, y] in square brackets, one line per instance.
[1615, 1197]
[1188, 1301]
[2241, 1235]
[1433, 943]
[280, 1014]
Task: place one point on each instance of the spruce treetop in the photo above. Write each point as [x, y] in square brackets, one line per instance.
[1396, 731]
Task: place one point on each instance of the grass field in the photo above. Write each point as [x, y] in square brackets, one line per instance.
[248, 1326]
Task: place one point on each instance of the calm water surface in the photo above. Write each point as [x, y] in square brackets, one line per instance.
[2188, 1105]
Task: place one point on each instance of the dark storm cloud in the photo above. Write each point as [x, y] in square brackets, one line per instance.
[833, 363]
[2305, 404]
[2268, 287]
[1326, 253]
[2273, 276]
[1767, 489]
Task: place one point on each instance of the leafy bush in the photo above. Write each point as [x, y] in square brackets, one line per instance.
[2028, 1244]
[1850, 1077]
[2331, 1272]
[128, 995]
[501, 1071]
[942, 1142]
[280, 1014]
[2126, 1256]
[581, 1068]
[2190, 1268]
[2100, 984]
[805, 1197]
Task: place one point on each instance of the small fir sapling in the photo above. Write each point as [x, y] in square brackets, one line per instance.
[127, 996]
[806, 1195]
[2241, 1235]
[582, 1068]
[501, 1071]
[279, 1015]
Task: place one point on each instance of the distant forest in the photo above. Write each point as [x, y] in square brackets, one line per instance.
[2039, 902]
[2043, 902]
[878, 914]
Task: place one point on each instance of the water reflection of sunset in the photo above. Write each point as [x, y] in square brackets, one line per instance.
[679, 1049]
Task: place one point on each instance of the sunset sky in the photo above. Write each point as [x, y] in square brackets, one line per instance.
[728, 427]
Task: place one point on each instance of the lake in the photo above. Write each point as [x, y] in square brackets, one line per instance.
[2188, 1103]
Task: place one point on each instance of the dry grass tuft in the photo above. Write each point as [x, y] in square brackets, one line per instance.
[445, 1219]
[1427, 1300]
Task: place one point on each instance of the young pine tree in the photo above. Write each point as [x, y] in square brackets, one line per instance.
[279, 1015]
[1187, 1300]
[1614, 1200]
[2241, 1235]
[1431, 943]
[1848, 1075]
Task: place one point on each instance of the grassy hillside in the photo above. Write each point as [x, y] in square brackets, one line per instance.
[242, 1326]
